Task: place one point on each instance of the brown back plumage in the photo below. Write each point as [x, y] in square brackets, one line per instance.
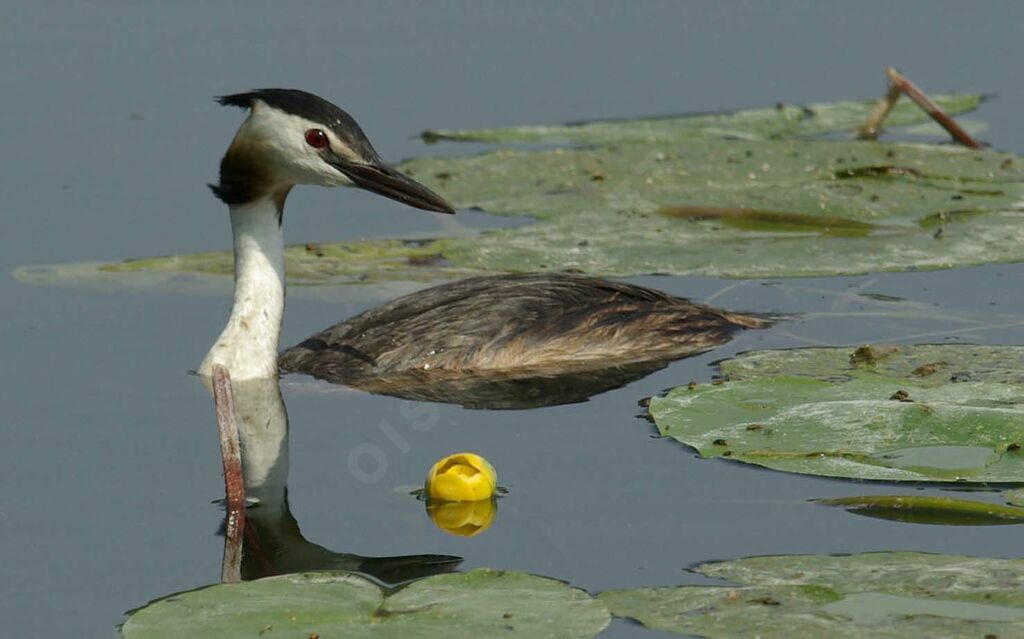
[538, 324]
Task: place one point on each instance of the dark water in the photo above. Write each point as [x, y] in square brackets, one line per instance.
[108, 457]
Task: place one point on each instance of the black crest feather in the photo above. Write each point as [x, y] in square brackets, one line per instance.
[309, 106]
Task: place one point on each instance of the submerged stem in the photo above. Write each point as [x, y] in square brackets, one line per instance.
[234, 482]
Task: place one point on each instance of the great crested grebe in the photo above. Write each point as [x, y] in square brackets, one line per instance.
[290, 137]
[501, 327]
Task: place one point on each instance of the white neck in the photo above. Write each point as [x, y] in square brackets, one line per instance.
[248, 345]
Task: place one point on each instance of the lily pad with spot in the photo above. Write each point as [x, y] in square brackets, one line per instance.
[940, 413]
[884, 595]
[469, 605]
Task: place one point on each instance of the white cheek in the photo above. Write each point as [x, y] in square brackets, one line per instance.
[307, 167]
[293, 160]
[310, 168]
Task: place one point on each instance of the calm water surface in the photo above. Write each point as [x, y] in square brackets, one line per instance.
[108, 454]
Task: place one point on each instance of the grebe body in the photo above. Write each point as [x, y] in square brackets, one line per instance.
[514, 341]
[495, 341]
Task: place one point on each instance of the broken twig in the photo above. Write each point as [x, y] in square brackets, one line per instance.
[899, 84]
[872, 127]
[932, 109]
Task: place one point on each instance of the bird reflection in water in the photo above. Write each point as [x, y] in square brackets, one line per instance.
[270, 541]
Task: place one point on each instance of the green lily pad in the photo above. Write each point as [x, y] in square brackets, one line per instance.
[916, 413]
[338, 263]
[741, 194]
[871, 595]
[765, 123]
[928, 509]
[737, 209]
[1014, 496]
[391, 268]
[479, 603]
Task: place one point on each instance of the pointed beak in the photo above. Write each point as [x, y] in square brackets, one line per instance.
[383, 180]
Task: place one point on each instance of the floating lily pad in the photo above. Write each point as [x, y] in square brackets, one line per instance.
[471, 605]
[391, 268]
[738, 209]
[340, 262]
[742, 194]
[915, 413]
[766, 123]
[872, 595]
[1015, 496]
[928, 509]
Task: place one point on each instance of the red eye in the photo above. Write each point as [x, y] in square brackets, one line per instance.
[316, 138]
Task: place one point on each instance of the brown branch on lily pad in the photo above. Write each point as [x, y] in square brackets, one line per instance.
[872, 127]
[899, 84]
[234, 482]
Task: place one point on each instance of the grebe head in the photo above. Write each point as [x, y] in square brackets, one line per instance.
[293, 137]
[290, 137]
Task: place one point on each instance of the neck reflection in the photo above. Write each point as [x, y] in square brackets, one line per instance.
[272, 542]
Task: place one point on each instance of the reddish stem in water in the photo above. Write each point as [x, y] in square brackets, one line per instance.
[234, 482]
[231, 563]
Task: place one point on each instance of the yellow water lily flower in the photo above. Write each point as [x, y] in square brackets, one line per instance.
[463, 518]
[462, 477]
